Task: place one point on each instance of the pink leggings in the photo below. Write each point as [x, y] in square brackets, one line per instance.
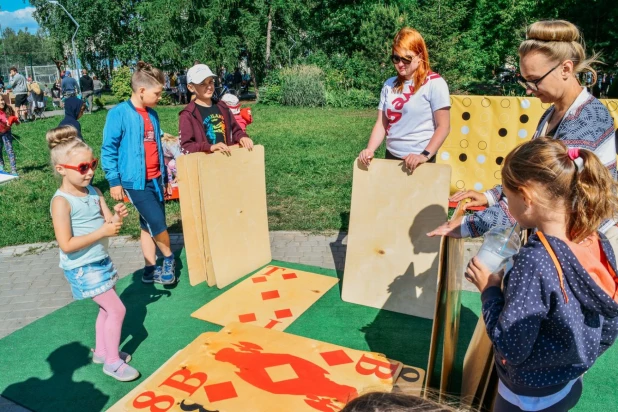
[109, 325]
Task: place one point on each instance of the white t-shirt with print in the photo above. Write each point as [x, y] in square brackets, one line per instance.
[411, 119]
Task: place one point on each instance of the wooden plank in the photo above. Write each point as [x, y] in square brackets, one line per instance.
[455, 268]
[437, 325]
[454, 272]
[246, 368]
[477, 366]
[447, 305]
[191, 213]
[391, 263]
[233, 189]
[272, 298]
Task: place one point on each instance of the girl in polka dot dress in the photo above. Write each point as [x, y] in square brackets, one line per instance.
[559, 309]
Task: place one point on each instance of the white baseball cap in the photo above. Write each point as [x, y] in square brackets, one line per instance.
[232, 102]
[198, 73]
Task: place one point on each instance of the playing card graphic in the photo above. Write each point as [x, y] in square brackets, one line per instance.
[273, 298]
[247, 368]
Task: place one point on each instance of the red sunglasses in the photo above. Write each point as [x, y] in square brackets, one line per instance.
[83, 168]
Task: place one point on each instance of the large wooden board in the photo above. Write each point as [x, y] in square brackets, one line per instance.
[272, 298]
[191, 212]
[477, 367]
[141, 388]
[246, 368]
[448, 306]
[391, 263]
[233, 190]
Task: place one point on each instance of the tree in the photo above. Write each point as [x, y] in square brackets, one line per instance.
[23, 48]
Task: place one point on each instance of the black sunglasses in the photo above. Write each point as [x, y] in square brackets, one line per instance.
[396, 59]
[534, 84]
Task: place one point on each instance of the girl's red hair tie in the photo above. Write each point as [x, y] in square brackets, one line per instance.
[574, 156]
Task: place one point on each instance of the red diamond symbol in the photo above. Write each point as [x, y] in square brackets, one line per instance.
[283, 313]
[247, 317]
[220, 391]
[271, 294]
[288, 276]
[273, 270]
[336, 357]
[258, 279]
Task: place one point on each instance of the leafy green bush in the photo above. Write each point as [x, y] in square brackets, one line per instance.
[303, 86]
[121, 83]
[98, 102]
[166, 100]
[353, 99]
[270, 94]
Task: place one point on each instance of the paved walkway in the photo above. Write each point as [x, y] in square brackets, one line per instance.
[32, 285]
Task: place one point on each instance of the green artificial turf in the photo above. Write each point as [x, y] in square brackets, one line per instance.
[46, 365]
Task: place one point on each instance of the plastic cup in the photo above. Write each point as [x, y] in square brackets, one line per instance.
[499, 244]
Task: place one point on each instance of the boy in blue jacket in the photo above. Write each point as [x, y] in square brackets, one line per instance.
[132, 158]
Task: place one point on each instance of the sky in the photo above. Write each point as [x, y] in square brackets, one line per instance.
[17, 14]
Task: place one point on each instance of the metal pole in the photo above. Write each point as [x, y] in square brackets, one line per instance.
[72, 38]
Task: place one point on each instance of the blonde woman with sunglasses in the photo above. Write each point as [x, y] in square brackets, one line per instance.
[550, 59]
[414, 107]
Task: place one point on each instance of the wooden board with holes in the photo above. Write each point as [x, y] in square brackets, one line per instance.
[391, 263]
[245, 367]
[448, 306]
[191, 213]
[233, 193]
[272, 298]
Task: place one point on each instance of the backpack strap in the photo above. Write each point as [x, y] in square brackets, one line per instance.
[549, 249]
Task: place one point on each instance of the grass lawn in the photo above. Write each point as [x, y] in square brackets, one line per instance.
[309, 156]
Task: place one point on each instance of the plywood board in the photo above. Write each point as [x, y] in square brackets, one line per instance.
[120, 405]
[233, 190]
[246, 368]
[448, 305]
[391, 263]
[272, 298]
[454, 273]
[191, 213]
[410, 381]
[477, 366]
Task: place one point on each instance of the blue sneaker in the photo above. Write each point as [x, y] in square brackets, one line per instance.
[166, 275]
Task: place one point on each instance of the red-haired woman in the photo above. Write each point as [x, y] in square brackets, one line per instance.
[414, 106]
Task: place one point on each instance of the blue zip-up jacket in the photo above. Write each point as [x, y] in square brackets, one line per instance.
[122, 153]
[540, 341]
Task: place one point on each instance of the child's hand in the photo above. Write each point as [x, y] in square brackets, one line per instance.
[220, 147]
[169, 189]
[111, 228]
[116, 193]
[121, 213]
[479, 275]
[246, 143]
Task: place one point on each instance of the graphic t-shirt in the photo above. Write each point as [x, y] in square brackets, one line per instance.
[213, 123]
[151, 150]
[411, 121]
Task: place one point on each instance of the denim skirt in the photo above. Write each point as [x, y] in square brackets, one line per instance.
[92, 279]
